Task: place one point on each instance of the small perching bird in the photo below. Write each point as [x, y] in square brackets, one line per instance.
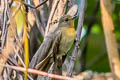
[55, 44]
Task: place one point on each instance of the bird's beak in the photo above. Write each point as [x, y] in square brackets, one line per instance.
[75, 16]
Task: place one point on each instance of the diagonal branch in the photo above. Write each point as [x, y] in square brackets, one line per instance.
[78, 34]
[51, 15]
[58, 10]
[111, 44]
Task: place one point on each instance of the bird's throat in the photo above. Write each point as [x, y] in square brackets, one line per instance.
[69, 31]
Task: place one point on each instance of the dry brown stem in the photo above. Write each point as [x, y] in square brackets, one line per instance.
[78, 34]
[81, 76]
[58, 10]
[9, 44]
[108, 26]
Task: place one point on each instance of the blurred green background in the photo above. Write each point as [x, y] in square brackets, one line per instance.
[95, 51]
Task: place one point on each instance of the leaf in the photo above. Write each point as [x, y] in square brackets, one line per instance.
[20, 18]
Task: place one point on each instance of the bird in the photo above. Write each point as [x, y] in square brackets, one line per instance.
[55, 44]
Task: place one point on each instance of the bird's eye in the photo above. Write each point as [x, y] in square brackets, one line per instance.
[66, 19]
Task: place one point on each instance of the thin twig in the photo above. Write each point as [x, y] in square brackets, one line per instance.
[19, 57]
[78, 34]
[82, 76]
[12, 61]
[38, 72]
[4, 27]
[34, 7]
[44, 15]
[38, 22]
[22, 62]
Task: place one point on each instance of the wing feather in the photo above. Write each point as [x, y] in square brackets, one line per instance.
[47, 49]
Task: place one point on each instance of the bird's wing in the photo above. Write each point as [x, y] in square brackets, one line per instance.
[49, 59]
[47, 48]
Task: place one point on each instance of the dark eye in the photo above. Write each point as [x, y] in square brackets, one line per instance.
[66, 19]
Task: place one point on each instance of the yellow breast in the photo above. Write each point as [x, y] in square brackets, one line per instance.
[68, 36]
[69, 31]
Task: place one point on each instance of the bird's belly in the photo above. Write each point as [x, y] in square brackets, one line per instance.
[65, 45]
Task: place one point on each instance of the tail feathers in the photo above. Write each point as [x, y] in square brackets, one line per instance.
[45, 64]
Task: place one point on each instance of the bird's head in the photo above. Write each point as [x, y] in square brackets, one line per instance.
[66, 21]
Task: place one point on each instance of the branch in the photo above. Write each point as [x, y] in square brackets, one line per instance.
[38, 72]
[3, 23]
[51, 15]
[44, 15]
[82, 76]
[79, 30]
[38, 22]
[111, 44]
[71, 3]
[10, 43]
[90, 24]
[58, 10]
[34, 7]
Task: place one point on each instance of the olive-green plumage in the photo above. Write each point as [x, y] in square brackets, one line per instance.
[66, 27]
[56, 44]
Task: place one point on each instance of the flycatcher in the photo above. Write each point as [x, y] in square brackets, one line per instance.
[55, 44]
